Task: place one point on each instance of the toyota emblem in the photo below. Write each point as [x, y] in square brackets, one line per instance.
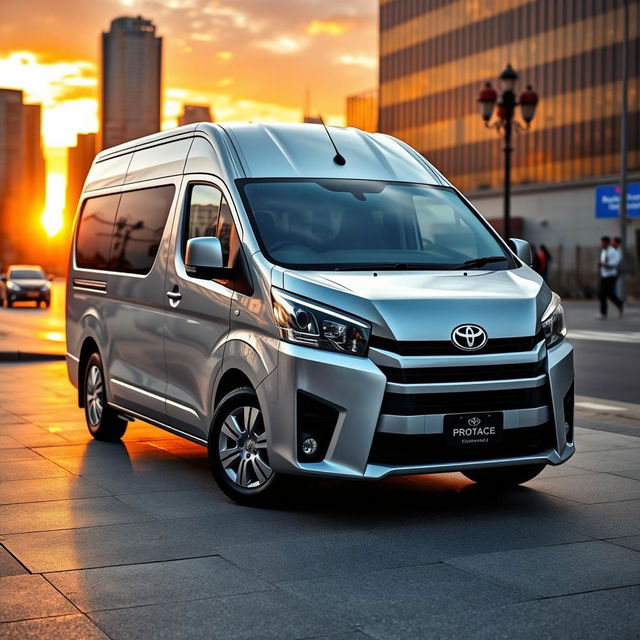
[469, 337]
[474, 422]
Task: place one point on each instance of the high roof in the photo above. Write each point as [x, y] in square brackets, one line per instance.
[305, 150]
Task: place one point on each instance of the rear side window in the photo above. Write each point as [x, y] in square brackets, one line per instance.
[138, 228]
[93, 240]
[122, 232]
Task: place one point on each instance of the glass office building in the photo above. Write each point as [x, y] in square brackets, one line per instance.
[435, 56]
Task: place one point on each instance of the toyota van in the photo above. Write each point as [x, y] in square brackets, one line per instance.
[311, 301]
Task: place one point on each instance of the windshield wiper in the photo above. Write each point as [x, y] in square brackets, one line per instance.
[480, 262]
[393, 266]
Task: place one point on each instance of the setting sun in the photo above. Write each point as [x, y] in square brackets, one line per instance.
[52, 218]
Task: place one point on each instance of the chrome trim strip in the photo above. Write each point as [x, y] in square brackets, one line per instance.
[388, 359]
[462, 387]
[433, 423]
[157, 423]
[72, 357]
[177, 405]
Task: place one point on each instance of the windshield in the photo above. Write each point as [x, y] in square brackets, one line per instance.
[26, 274]
[362, 224]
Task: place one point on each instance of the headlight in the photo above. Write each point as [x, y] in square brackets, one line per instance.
[553, 324]
[44, 287]
[304, 322]
[12, 286]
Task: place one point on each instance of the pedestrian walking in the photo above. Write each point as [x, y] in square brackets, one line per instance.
[616, 243]
[608, 265]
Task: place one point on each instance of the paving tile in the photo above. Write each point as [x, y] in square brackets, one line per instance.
[39, 438]
[606, 461]
[9, 566]
[631, 542]
[160, 478]
[26, 469]
[28, 596]
[180, 504]
[589, 441]
[558, 570]
[264, 615]
[591, 489]
[154, 583]
[7, 442]
[73, 627]
[399, 593]
[154, 541]
[612, 520]
[66, 514]
[41, 489]
[613, 613]
[19, 453]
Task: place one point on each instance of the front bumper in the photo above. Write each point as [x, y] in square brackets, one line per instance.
[359, 391]
[28, 296]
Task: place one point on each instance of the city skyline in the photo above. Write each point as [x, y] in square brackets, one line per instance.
[247, 60]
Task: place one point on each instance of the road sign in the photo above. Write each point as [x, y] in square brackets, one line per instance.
[608, 201]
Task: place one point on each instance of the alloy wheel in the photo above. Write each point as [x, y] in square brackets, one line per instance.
[94, 395]
[242, 448]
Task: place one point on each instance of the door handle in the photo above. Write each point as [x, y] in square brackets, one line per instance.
[174, 296]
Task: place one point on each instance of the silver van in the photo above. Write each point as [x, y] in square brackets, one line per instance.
[311, 301]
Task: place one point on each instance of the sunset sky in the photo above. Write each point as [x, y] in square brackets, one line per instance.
[248, 59]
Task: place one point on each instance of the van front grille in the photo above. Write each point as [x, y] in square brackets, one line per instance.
[429, 375]
[400, 404]
[447, 348]
[402, 450]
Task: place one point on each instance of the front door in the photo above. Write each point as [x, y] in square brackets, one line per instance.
[197, 310]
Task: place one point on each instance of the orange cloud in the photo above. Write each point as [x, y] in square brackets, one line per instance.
[327, 27]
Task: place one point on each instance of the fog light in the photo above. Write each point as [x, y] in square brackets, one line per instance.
[309, 446]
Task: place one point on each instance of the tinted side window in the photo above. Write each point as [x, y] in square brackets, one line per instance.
[93, 239]
[138, 228]
[208, 214]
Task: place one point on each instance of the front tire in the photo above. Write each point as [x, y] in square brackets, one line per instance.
[504, 477]
[238, 453]
[102, 421]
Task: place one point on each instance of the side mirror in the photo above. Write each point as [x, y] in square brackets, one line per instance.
[522, 249]
[3, 278]
[203, 258]
[50, 277]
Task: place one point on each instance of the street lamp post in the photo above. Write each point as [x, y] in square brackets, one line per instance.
[505, 123]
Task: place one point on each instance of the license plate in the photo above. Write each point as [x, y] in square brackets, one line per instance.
[473, 429]
[33, 294]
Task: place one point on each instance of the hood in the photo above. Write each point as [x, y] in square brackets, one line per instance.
[31, 282]
[428, 305]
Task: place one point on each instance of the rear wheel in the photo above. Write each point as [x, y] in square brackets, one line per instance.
[238, 450]
[504, 477]
[102, 421]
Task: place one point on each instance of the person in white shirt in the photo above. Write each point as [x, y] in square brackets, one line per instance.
[609, 264]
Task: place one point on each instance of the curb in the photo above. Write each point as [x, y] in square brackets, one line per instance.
[29, 356]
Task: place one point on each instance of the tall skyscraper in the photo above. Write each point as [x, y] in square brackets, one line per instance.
[34, 173]
[131, 80]
[362, 110]
[79, 159]
[193, 113]
[22, 181]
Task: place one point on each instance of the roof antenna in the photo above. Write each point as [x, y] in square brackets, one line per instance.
[338, 158]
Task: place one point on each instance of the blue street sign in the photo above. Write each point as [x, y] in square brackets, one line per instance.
[608, 200]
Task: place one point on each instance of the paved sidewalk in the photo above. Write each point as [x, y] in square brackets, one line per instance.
[133, 540]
